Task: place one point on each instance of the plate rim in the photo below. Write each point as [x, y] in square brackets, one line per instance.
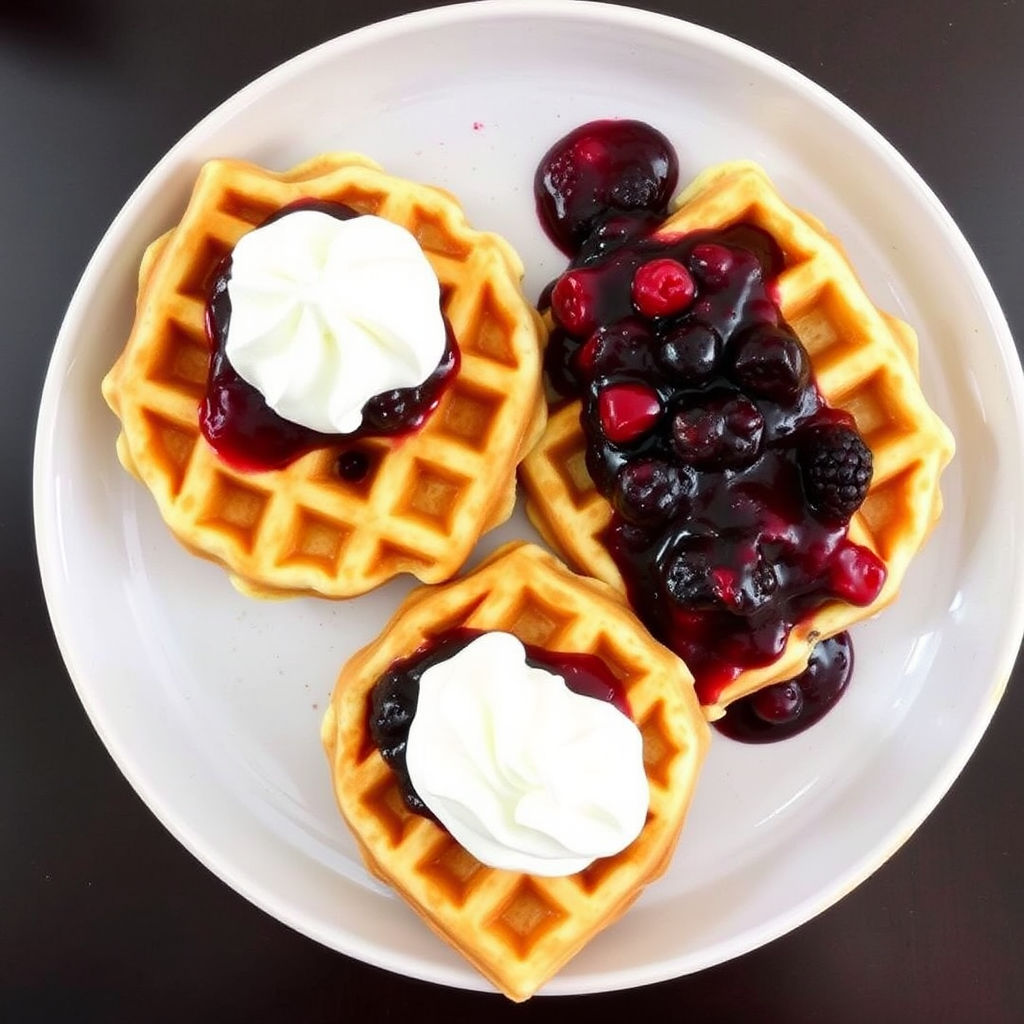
[47, 531]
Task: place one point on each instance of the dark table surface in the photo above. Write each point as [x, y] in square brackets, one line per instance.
[103, 916]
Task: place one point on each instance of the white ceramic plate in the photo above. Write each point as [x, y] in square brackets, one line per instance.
[211, 703]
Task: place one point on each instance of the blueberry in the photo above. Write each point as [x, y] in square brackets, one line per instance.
[721, 429]
[769, 362]
[609, 232]
[779, 703]
[625, 345]
[389, 411]
[651, 491]
[603, 463]
[712, 265]
[689, 352]
[560, 362]
[353, 465]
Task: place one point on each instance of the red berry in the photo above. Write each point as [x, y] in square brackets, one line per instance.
[573, 305]
[627, 411]
[857, 575]
[662, 287]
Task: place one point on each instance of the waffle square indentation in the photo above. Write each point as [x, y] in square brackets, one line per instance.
[817, 327]
[207, 256]
[452, 868]
[392, 558]
[469, 415]
[318, 541]
[184, 360]
[173, 445]
[614, 660]
[247, 207]
[536, 622]
[594, 877]
[385, 805]
[488, 331]
[884, 511]
[658, 752]
[881, 417]
[527, 915]
[236, 508]
[434, 496]
[364, 201]
[432, 234]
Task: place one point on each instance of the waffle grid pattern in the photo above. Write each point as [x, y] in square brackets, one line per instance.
[517, 929]
[303, 528]
[864, 361]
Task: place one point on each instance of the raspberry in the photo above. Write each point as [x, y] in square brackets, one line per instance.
[836, 467]
[573, 305]
[627, 411]
[662, 287]
[857, 575]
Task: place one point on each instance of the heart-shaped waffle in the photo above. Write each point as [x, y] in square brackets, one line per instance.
[517, 929]
[304, 528]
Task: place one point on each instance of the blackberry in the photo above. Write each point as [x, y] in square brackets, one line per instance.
[836, 467]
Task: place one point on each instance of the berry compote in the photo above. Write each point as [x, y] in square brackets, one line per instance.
[780, 710]
[732, 481]
[246, 433]
[394, 697]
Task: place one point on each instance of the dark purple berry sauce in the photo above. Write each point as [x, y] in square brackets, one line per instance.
[784, 709]
[704, 426]
[599, 172]
[246, 433]
[394, 696]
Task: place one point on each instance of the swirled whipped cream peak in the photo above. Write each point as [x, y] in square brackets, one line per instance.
[524, 773]
[326, 313]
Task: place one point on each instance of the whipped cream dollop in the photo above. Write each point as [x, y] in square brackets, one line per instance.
[525, 774]
[326, 313]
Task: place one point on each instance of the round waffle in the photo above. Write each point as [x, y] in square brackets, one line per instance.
[304, 529]
[517, 929]
[864, 361]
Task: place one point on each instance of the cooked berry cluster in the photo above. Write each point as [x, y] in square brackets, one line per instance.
[732, 480]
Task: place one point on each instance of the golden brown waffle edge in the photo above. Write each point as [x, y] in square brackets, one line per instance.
[517, 930]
